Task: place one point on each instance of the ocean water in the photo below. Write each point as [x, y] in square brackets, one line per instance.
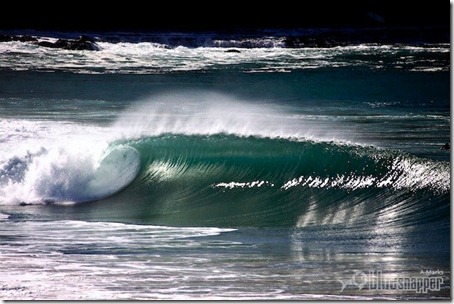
[149, 170]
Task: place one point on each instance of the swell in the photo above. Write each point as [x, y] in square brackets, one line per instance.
[227, 180]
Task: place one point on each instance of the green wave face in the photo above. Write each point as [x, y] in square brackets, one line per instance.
[224, 180]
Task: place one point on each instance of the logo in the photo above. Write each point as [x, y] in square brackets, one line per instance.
[374, 280]
[359, 279]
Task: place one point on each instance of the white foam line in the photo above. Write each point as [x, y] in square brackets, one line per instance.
[264, 55]
[254, 184]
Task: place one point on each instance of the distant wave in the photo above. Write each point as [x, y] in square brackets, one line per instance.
[265, 37]
[139, 53]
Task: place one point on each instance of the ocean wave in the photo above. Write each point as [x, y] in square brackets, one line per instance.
[198, 158]
[260, 55]
[246, 180]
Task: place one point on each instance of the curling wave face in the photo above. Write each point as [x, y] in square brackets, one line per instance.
[265, 181]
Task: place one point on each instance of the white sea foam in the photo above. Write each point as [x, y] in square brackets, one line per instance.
[254, 184]
[67, 174]
[83, 260]
[61, 162]
[265, 55]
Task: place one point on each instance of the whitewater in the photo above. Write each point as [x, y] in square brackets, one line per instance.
[162, 170]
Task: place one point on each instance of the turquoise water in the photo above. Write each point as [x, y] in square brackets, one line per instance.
[140, 172]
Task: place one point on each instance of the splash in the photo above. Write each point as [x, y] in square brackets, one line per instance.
[67, 174]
